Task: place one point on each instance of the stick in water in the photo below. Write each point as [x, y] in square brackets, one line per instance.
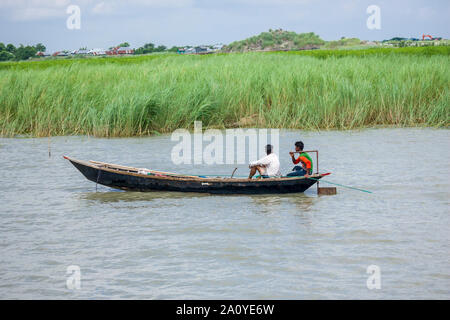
[49, 140]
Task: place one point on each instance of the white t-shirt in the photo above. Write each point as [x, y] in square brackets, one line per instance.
[271, 164]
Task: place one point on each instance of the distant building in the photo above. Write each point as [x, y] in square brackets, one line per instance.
[189, 50]
[42, 54]
[120, 51]
[80, 52]
[125, 50]
[201, 49]
[196, 50]
[218, 47]
[97, 52]
[60, 54]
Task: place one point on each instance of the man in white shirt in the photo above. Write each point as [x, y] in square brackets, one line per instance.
[268, 167]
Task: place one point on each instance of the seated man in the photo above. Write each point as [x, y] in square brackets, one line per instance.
[269, 166]
[307, 165]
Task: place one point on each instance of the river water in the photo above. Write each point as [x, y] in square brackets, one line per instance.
[132, 245]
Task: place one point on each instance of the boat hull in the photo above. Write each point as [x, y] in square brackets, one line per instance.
[139, 182]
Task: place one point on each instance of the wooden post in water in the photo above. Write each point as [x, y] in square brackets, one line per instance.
[321, 190]
[49, 141]
[329, 191]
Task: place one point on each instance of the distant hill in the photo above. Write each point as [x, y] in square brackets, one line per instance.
[276, 40]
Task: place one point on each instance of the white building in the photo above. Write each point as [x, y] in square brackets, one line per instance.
[97, 52]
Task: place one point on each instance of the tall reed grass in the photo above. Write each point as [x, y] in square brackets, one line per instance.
[276, 90]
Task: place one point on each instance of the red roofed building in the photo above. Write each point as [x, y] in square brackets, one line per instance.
[120, 50]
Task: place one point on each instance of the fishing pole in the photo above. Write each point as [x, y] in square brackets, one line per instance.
[340, 185]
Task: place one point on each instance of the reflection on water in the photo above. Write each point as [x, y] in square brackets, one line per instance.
[167, 245]
[275, 203]
[130, 196]
[264, 203]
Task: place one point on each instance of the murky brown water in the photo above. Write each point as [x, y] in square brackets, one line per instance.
[193, 246]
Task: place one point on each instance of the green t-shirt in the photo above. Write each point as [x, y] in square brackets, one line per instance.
[304, 154]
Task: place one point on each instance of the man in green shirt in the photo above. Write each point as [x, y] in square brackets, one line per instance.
[304, 159]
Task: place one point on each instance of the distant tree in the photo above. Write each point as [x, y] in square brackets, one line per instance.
[146, 48]
[149, 46]
[2, 47]
[173, 49]
[5, 55]
[161, 48]
[40, 47]
[11, 48]
[84, 48]
[23, 53]
[125, 45]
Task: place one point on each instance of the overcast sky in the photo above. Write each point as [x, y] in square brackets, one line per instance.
[193, 22]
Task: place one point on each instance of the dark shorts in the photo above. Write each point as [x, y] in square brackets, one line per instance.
[297, 172]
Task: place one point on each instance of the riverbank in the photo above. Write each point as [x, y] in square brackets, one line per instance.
[145, 95]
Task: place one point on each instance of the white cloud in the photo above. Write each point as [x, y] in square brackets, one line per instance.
[161, 3]
[29, 14]
[23, 4]
[103, 8]
[28, 10]
[50, 3]
[268, 2]
[114, 6]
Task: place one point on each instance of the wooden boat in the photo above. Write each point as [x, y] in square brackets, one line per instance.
[136, 179]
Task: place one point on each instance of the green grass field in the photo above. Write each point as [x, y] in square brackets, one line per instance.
[320, 89]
